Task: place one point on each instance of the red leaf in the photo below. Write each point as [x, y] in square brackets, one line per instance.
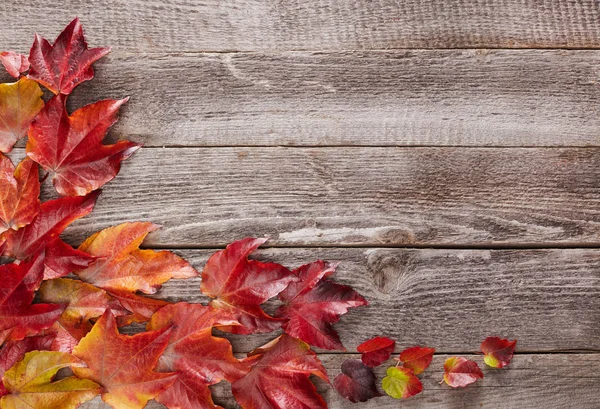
[417, 358]
[15, 64]
[313, 304]
[239, 285]
[19, 193]
[142, 308]
[279, 377]
[376, 351]
[460, 372]
[123, 364]
[18, 317]
[54, 216]
[200, 358]
[67, 63]
[357, 382]
[71, 146]
[13, 351]
[498, 352]
[401, 383]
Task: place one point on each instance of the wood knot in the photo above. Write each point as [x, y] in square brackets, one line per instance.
[388, 268]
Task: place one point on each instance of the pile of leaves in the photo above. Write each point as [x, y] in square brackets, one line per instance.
[62, 308]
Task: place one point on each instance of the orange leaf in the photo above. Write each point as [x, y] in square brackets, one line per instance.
[123, 364]
[460, 372]
[498, 352]
[417, 358]
[20, 102]
[121, 265]
[71, 146]
[19, 193]
[67, 63]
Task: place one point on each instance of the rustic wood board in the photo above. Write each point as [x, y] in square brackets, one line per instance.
[217, 25]
[532, 381]
[424, 98]
[207, 197]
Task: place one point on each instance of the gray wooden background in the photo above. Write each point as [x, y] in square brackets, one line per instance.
[446, 151]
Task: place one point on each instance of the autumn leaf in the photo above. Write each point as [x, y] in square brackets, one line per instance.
[14, 63]
[141, 308]
[20, 102]
[460, 372]
[19, 193]
[498, 352]
[200, 358]
[20, 318]
[30, 385]
[376, 351]
[44, 231]
[417, 358]
[84, 302]
[313, 304]
[65, 64]
[71, 146]
[239, 285]
[401, 383]
[279, 378]
[357, 382]
[121, 265]
[123, 364]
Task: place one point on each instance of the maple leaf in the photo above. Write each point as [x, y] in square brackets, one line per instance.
[313, 304]
[417, 358]
[14, 63]
[141, 308]
[401, 383]
[44, 231]
[498, 352]
[19, 193]
[239, 285]
[18, 317]
[83, 301]
[20, 102]
[376, 351]
[123, 364]
[460, 372]
[121, 265]
[30, 385]
[65, 64]
[279, 377]
[200, 358]
[357, 382]
[71, 146]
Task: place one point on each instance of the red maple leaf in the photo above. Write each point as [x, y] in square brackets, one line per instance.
[313, 304]
[43, 232]
[65, 64]
[71, 146]
[15, 64]
[376, 351]
[239, 285]
[19, 193]
[279, 377]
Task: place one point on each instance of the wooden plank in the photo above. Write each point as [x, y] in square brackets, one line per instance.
[189, 25]
[207, 197]
[432, 98]
[531, 381]
[449, 299]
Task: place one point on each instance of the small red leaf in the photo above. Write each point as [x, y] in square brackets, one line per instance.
[357, 382]
[417, 358]
[15, 64]
[67, 63]
[498, 352]
[460, 372]
[376, 351]
[19, 193]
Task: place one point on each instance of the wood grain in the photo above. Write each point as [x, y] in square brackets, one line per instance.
[450, 299]
[531, 381]
[425, 98]
[216, 25]
[207, 197]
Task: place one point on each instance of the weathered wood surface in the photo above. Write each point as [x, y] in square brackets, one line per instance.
[533, 381]
[217, 25]
[435, 97]
[450, 299]
[207, 197]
